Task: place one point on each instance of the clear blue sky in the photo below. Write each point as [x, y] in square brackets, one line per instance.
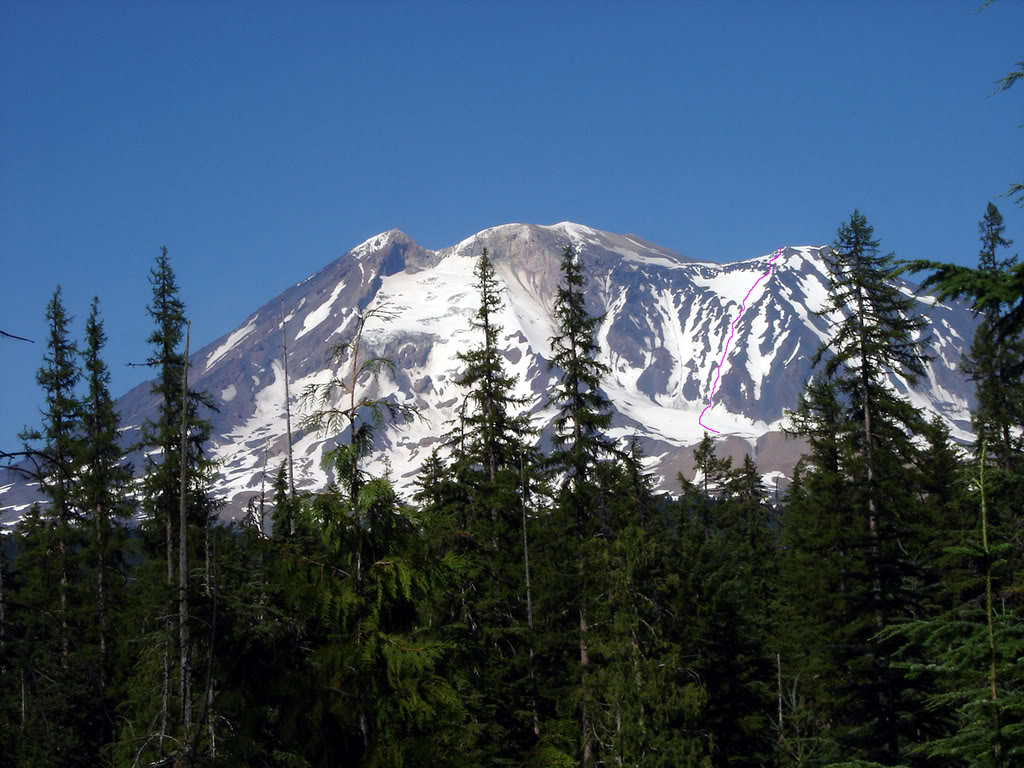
[260, 141]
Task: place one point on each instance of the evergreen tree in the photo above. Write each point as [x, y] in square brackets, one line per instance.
[105, 500]
[178, 504]
[60, 444]
[59, 725]
[490, 458]
[876, 333]
[648, 706]
[579, 446]
[978, 650]
[819, 569]
[368, 579]
[731, 569]
[995, 361]
[713, 472]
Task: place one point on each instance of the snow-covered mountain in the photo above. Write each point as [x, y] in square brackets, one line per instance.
[666, 321]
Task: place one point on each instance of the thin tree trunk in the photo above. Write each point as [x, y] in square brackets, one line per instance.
[3, 613]
[885, 693]
[529, 605]
[206, 711]
[63, 548]
[364, 725]
[585, 664]
[990, 619]
[288, 414]
[183, 607]
[206, 562]
[168, 626]
[586, 747]
[778, 668]
[165, 693]
[213, 733]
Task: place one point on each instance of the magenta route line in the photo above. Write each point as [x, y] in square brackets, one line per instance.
[732, 329]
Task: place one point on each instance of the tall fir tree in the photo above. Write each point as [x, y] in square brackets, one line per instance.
[59, 439]
[580, 445]
[105, 498]
[178, 505]
[875, 332]
[56, 724]
[491, 459]
[995, 361]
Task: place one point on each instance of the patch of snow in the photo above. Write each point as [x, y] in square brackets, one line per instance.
[655, 261]
[375, 243]
[815, 288]
[231, 342]
[228, 393]
[318, 315]
[758, 364]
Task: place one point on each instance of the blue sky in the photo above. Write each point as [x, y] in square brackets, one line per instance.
[260, 141]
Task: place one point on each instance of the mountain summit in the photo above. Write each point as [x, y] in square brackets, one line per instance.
[665, 322]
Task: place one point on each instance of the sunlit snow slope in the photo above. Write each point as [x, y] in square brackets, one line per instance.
[665, 321]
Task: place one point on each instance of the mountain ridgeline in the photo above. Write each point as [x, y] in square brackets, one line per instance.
[407, 514]
[665, 323]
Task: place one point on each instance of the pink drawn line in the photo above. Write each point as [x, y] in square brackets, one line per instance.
[732, 328]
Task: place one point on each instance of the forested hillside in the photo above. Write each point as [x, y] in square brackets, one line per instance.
[529, 606]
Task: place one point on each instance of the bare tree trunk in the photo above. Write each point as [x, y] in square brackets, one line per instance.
[364, 725]
[885, 693]
[206, 566]
[206, 717]
[63, 548]
[165, 693]
[585, 664]
[288, 415]
[778, 673]
[3, 613]
[529, 605]
[183, 607]
[22, 698]
[169, 625]
[101, 596]
[990, 619]
[213, 733]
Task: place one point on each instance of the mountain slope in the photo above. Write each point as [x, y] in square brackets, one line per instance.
[665, 322]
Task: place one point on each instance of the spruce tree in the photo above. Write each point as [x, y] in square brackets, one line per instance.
[490, 458]
[59, 726]
[995, 360]
[649, 697]
[713, 472]
[59, 439]
[177, 502]
[579, 446]
[876, 333]
[977, 650]
[105, 498]
[365, 578]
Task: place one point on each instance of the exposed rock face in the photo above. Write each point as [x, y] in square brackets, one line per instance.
[665, 322]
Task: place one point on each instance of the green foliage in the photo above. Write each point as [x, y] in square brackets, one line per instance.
[530, 610]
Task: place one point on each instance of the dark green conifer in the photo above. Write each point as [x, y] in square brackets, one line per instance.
[105, 498]
[59, 447]
[60, 725]
[490, 457]
[176, 494]
[579, 446]
[877, 333]
[995, 361]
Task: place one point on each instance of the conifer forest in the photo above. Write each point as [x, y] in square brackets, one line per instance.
[531, 607]
[534, 603]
